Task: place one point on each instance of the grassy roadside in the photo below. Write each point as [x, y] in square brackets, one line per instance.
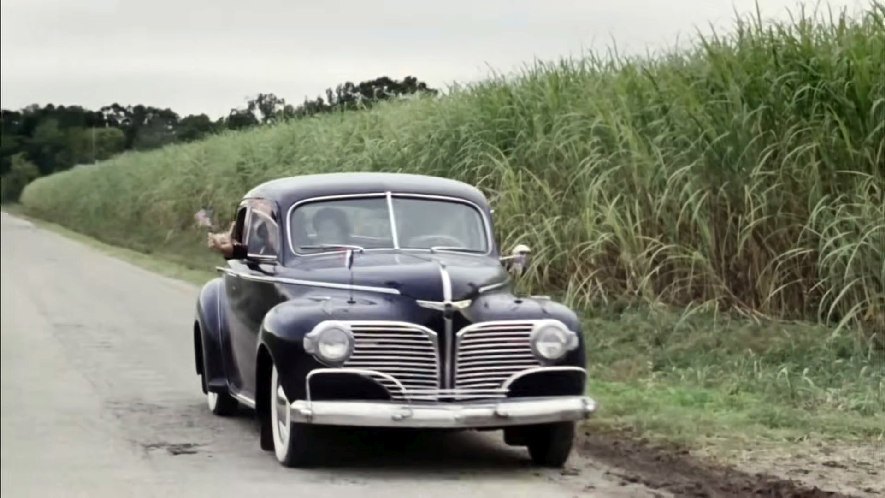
[162, 264]
[722, 383]
[712, 382]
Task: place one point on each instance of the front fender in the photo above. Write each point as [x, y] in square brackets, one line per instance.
[505, 306]
[286, 324]
[211, 325]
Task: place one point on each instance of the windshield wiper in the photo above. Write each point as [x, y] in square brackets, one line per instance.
[338, 247]
[453, 249]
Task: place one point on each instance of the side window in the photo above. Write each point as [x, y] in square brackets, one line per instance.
[263, 234]
[239, 229]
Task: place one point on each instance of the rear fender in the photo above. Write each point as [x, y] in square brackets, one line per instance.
[211, 327]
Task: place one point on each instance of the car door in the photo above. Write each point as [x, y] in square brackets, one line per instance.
[253, 288]
[233, 303]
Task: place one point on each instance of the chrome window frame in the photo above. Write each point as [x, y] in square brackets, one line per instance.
[389, 195]
[247, 231]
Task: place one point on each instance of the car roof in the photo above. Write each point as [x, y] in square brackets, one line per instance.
[289, 190]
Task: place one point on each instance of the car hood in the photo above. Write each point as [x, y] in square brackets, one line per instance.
[416, 275]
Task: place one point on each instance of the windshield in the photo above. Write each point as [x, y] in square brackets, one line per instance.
[421, 223]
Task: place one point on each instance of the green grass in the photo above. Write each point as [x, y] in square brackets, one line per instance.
[740, 181]
[716, 381]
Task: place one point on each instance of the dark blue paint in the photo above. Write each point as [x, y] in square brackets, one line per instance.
[278, 315]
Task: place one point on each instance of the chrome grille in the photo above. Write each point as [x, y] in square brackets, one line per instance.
[491, 352]
[404, 351]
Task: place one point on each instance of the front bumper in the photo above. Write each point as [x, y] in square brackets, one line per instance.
[497, 413]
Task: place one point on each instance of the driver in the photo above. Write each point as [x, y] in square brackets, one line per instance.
[331, 226]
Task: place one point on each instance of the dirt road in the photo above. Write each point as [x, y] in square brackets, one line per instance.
[99, 398]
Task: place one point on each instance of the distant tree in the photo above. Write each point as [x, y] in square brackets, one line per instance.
[10, 145]
[195, 127]
[150, 127]
[77, 148]
[154, 133]
[116, 115]
[239, 119]
[21, 173]
[54, 138]
[45, 144]
[348, 96]
[107, 142]
[268, 106]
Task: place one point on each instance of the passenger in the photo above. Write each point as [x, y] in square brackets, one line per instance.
[331, 226]
[225, 244]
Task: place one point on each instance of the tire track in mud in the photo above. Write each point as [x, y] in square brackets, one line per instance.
[673, 469]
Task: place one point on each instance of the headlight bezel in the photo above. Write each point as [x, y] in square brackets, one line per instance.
[569, 339]
[313, 339]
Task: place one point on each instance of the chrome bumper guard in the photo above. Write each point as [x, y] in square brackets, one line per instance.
[498, 412]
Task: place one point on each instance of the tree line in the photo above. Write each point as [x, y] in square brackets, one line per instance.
[37, 141]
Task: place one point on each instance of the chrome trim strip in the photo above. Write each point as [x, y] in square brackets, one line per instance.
[513, 378]
[448, 380]
[312, 283]
[504, 323]
[259, 257]
[491, 287]
[357, 371]
[500, 413]
[242, 398]
[392, 217]
[490, 242]
[389, 323]
[441, 305]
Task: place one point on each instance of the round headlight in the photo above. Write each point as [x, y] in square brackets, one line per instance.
[330, 342]
[333, 345]
[551, 341]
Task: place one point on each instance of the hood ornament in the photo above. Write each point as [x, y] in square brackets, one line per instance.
[445, 305]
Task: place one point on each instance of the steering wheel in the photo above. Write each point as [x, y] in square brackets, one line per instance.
[428, 241]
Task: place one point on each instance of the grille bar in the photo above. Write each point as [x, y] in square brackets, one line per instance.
[405, 351]
[407, 358]
[489, 353]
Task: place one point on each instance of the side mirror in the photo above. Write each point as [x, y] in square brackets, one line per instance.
[518, 260]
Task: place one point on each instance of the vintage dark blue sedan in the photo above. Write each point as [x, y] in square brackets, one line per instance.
[381, 300]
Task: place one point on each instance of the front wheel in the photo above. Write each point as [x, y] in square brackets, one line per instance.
[550, 444]
[291, 441]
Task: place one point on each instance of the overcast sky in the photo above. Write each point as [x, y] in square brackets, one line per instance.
[210, 55]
